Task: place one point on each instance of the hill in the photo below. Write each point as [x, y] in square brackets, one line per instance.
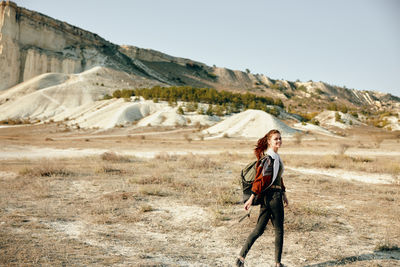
[46, 57]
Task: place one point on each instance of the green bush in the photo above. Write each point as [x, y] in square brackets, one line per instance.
[314, 121]
[338, 117]
[180, 110]
[210, 111]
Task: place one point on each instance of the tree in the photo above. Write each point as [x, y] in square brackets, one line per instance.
[338, 117]
[219, 110]
[180, 110]
[209, 111]
[117, 94]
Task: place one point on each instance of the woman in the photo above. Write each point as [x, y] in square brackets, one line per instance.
[269, 188]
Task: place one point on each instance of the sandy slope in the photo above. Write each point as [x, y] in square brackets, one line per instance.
[251, 124]
[49, 95]
[37, 83]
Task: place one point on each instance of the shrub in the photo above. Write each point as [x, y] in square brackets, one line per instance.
[314, 121]
[386, 246]
[273, 111]
[117, 94]
[113, 157]
[146, 208]
[45, 169]
[338, 118]
[108, 170]
[210, 111]
[219, 110]
[15, 121]
[302, 88]
[180, 110]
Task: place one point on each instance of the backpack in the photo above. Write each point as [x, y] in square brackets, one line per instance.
[247, 176]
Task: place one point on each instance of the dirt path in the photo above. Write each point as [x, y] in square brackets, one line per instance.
[122, 135]
[373, 178]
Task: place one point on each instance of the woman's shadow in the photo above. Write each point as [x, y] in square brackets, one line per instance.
[377, 255]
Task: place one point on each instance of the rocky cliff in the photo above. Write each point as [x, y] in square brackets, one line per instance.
[32, 44]
[182, 71]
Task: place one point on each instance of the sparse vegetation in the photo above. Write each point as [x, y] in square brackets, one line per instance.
[387, 246]
[180, 110]
[15, 121]
[298, 137]
[113, 157]
[46, 168]
[231, 101]
[338, 118]
[107, 96]
[171, 194]
[113, 200]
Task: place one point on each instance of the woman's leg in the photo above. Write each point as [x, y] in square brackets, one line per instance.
[277, 218]
[262, 221]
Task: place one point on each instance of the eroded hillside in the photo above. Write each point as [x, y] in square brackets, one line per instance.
[33, 44]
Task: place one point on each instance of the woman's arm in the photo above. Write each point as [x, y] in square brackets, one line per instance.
[285, 200]
[248, 203]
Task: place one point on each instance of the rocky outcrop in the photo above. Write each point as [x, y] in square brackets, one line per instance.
[182, 71]
[144, 54]
[32, 44]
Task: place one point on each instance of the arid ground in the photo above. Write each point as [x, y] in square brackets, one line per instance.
[170, 197]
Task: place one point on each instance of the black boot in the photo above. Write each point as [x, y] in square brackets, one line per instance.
[239, 262]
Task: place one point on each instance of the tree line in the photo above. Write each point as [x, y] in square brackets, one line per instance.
[232, 101]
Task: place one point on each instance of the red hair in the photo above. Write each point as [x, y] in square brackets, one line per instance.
[262, 143]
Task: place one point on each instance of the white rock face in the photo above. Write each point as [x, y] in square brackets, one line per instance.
[34, 44]
[328, 118]
[9, 49]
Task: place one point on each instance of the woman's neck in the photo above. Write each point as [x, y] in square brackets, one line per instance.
[272, 149]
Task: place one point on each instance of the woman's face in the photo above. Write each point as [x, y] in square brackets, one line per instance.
[275, 141]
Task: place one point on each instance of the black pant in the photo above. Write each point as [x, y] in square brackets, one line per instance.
[271, 208]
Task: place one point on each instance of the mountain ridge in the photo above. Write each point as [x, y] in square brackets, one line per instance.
[34, 43]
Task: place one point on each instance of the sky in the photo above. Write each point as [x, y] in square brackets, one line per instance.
[352, 43]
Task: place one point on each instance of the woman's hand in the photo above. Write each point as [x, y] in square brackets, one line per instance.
[285, 200]
[248, 203]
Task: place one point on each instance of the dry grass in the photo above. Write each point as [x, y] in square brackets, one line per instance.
[388, 165]
[45, 168]
[113, 157]
[298, 137]
[184, 211]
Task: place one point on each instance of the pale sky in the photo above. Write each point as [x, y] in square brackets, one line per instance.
[352, 43]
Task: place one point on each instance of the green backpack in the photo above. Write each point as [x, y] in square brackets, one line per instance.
[247, 176]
